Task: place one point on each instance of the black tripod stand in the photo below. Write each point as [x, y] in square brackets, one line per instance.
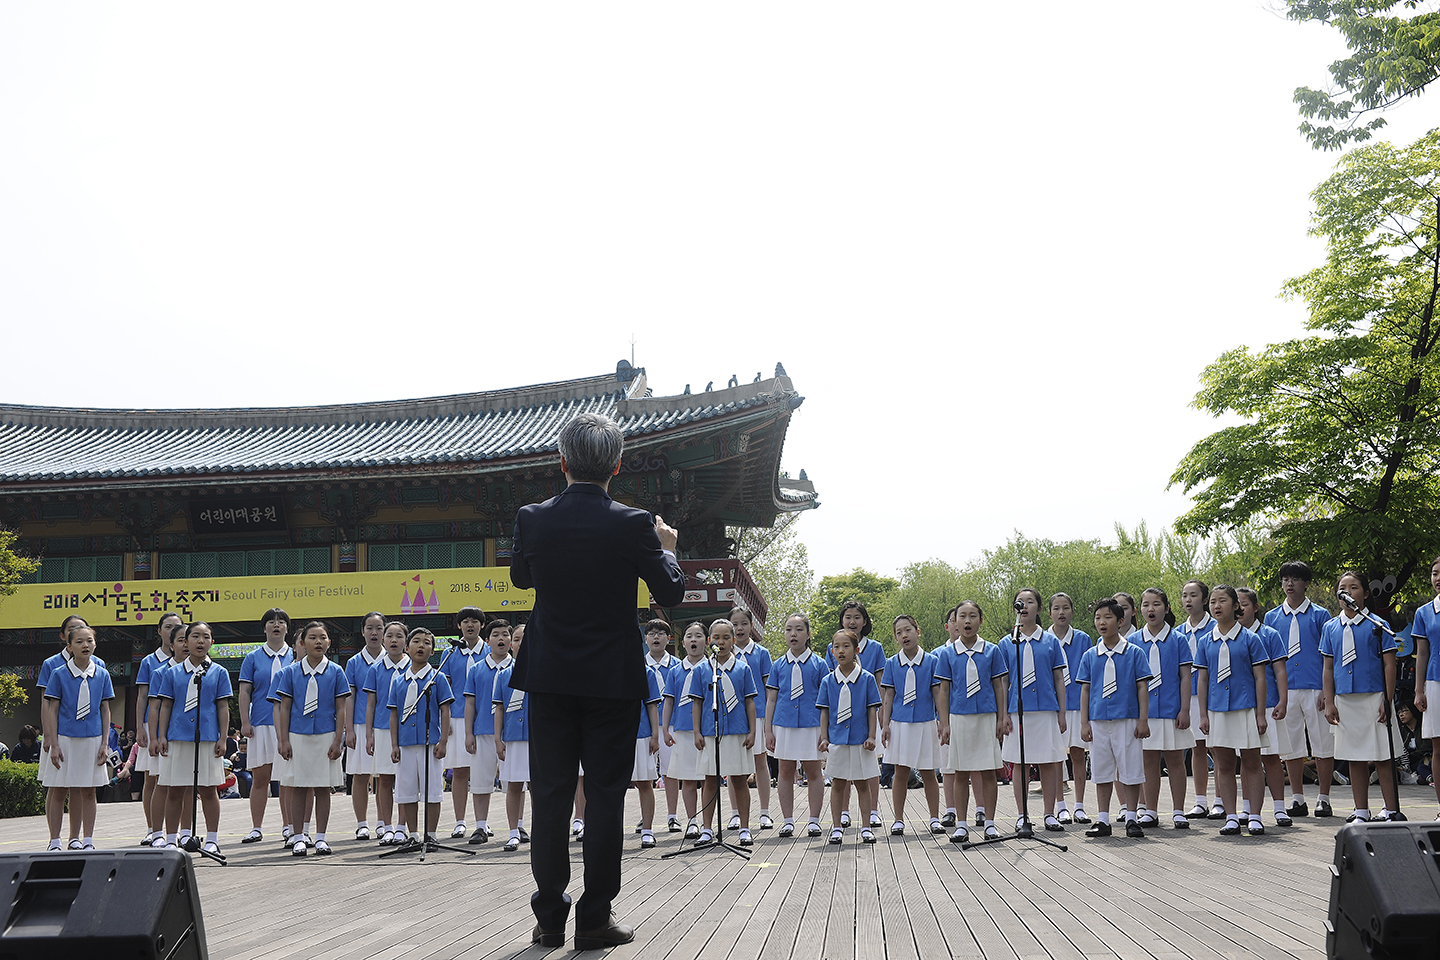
[193, 843]
[1379, 625]
[425, 844]
[1026, 830]
[719, 841]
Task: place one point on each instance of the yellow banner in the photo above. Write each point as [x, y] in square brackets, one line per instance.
[396, 593]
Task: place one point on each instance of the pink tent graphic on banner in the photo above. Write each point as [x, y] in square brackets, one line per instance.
[418, 605]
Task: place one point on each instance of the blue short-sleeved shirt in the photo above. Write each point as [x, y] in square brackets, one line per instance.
[652, 676]
[214, 686]
[1237, 691]
[864, 695]
[260, 669]
[1172, 651]
[1275, 646]
[796, 712]
[64, 686]
[897, 671]
[58, 660]
[412, 730]
[1366, 673]
[457, 667]
[1306, 669]
[377, 684]
[1072, 648]
[953, 666]
[148, 665]
[1427, 625]
[1040, 694]
[1132, 664]
[480, 684]
[516, 703]
[357, 671]
[760, 665]
[1194, 637]
[294, 682]
[733, 719]
[681, 687]
[871, 654]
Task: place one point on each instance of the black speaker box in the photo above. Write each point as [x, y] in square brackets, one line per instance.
[1385, 892]
[107, 903]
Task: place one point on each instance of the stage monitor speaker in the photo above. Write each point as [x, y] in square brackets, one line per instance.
[104, 903]
[1385, 892]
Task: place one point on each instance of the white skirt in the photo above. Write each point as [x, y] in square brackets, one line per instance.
[1043, 743]
[144, 763]
[797, 743]
[684, 758]
[310, 763]
[1165, 736]
[1071, 736]
[759, 748]
[646, 767]
[78, 769]
[1430, 719]
[1195, 719]
[1360, 735]
[384, 765]
[263, 748]
[515, 768]
[973, 744]
[1303, 717]
[45, 766]
[1115, 753]
[736, 760]
[357, 760]
[1234, 729]
[1276, 740]
[484, 764]
[178, 768]
[914, 745]
[456, 754]
[851, 762]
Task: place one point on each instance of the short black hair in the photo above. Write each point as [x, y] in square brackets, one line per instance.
[1109, 603]
[274, 613]
[492, 626]
[470, 613]
[1298, 569]
[658, 624]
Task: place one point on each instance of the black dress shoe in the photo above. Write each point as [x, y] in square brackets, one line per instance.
[1322, 810]
[1301, 809]
[1133, 829]
[547, 938]
[1098, 829]
[612, 934]
[948, 820]
[524, 837]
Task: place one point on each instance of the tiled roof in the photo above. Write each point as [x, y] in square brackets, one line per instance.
[46, 444]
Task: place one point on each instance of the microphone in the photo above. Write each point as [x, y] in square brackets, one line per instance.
[1019, 606]
[715, 649]
[1346, 599]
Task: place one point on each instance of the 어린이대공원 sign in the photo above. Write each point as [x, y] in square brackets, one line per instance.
[396, 593]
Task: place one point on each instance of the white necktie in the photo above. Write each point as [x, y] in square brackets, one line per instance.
[1027, 660]
[797, 681]
[1191, 635]
[1347, 645]
[82, 699]
[275, 665]
[910, 691]
[1065, 657]
[1107, 688]
[1222, 668]
[1155, 678]
[1294, 648]
[312, 693]
[842, 707]
[412, 697]
[972, 673]
[728, 688]
[192, 690]
[516, 701]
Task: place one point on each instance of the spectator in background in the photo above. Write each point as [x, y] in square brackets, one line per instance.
[27, 750]
[1415, 759]
[239, 765]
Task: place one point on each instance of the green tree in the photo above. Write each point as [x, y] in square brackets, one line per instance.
[1393, 55]
[12, 694]
[780, 566]
[1339, 449]
[869, 588]
[13, 567]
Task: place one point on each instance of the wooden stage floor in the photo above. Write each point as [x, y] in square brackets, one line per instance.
[1172, 895]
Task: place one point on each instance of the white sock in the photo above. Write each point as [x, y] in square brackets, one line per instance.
[460, 824]
[1297, 797]
[1323, 798]
[1203, 800]
[647, 832]
[989, 823]
[1126, 814]
[949, 809]
[212, 836]
[171, 838]
[1384, 813]
[1079, 807]
[520, 824]
[306, 830]
[482, 825]
[362, 823]
[1245, 807]
[184, 834]
[874, 813]
[1279, 806]
[979, 811]
[89, 840]
[845, 813]
[379, 826]
[515, 834]
[790, 821]
[814, 819]
[1060, 805]
[764, 811]
[1178, 814]
[1103, 816]
[319, 837]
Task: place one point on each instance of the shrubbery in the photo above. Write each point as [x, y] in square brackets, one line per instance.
[20, 792]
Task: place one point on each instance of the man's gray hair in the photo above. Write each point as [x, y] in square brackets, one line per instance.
[591, 446]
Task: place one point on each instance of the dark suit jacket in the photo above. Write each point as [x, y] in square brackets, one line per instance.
[584, 555]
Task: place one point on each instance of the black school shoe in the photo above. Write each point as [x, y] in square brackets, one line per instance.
[1301, 809]
[1322, 809]
[948, 821]
[1133, 829]
[1098, 829]
[1231, 829]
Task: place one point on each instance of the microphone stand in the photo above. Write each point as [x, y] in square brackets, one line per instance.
[1026, 830]
[1349, 602]
[719, 841]
[194, 845]
[422, 818]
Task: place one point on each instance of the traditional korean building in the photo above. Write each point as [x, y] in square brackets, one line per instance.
[402, 506]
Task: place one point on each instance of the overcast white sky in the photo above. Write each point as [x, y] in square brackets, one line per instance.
[964, 229]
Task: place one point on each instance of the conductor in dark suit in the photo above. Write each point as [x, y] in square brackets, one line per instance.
[582, 664]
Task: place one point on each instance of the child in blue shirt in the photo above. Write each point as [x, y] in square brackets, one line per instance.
[154, 806]
[1168, 655]
[1073, 644]
[658, 657]
[849, 702]
[359, 762]
[679, 723]
[194, 718]
[312, 696]
[727, 679]
[647, 745]
[75, 717]
[479, 692]
[908, 728]
[1231, 668]
[1359, 688]
[378, 741]
[1299, 621]
[1114, 717]
[511, 708]
[1426, 632]
[258, 672]
[1275, 743]
[78, 824]
[973, 717]
[418, 702]
[1038, 671]
[792, 721]
[471, 622]
[871, 657]
[748, 645]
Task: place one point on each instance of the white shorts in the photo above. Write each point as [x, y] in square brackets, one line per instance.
[973, 744]
[410, 777]
[357, 761]
[1360, 735]
[310, 763]
[484, 764]
[645, 766]
[1043, 742]
[1303, 718]
[178, 768]
[1165, 736]
[263, 748]
[1115, 752]
[1071, 736]
[684, 758]
[797, 743]
[1195, 719]
[515, 768]
[1430, 719]
[78, 768]
[1275, 741]
[736, 760]
[851, 762]
[914, 745]
[457, 755]
[1234, 730]
[383, 765]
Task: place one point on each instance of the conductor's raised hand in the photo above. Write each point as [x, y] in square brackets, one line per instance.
[668, 535]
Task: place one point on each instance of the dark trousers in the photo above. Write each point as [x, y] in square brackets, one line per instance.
[566, 731]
